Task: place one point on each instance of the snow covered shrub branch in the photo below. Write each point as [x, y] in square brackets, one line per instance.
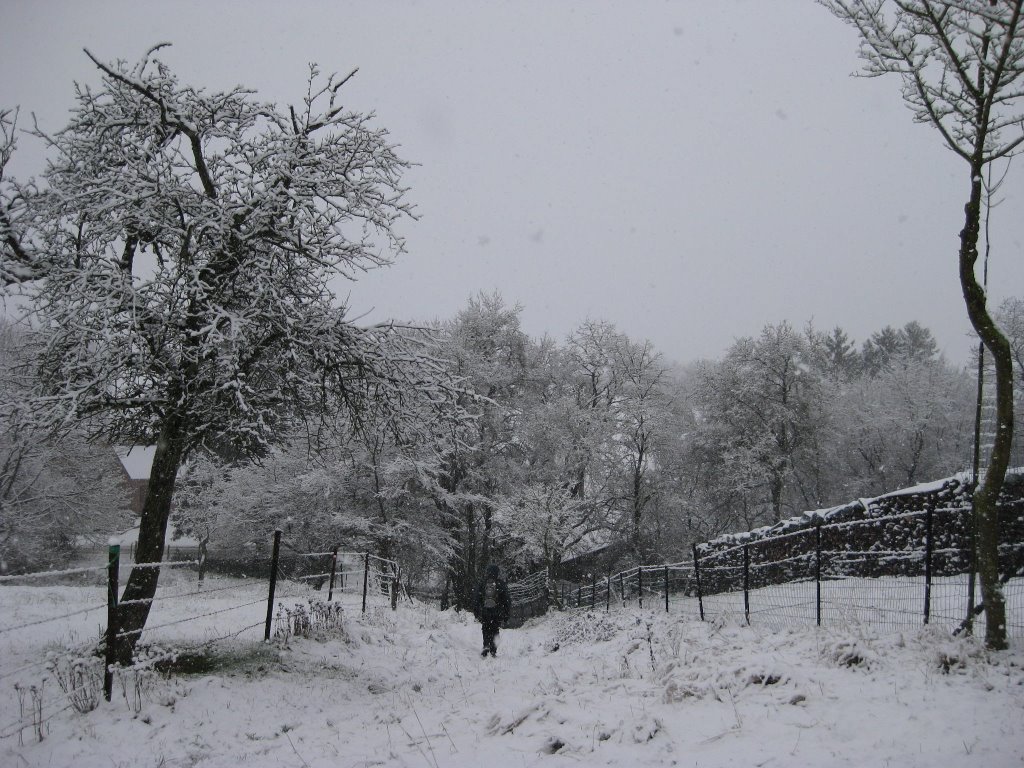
[80, 677]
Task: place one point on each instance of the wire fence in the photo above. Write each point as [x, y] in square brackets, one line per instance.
[184, 618]
[895, 562]
[528, 598]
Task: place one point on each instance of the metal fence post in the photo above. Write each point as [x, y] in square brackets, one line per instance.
[972, 565]
[696, 576]
[273, 582]
[366, 577]
[110, 657]
[334, 570]
[928, 546]
[746, 582]
[608, 594]
[817, 568]
[666, 588]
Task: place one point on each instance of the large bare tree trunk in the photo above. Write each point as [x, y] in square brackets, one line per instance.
[986, 513]
[140, 588]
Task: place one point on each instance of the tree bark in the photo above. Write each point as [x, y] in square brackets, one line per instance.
[638, 512]
[140, 588]
[777, 487]
[986, 495]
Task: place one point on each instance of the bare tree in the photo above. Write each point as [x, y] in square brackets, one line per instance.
[961, 63]
[184, 241]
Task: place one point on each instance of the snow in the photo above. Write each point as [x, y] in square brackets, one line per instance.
[408, 688]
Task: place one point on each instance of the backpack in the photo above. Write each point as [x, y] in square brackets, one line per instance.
[490, 595]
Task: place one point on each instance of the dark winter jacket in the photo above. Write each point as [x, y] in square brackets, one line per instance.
[502, 603]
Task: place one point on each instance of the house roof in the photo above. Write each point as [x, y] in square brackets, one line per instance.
[137, 460]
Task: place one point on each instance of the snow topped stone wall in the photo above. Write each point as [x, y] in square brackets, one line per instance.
[883, 536]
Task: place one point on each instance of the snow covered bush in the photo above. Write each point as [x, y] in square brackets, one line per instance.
[585, 627]
[849, 652]
[80, 677]
[317, 619]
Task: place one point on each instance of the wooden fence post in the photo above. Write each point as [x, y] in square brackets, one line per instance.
[113, 566]
[593, 590]
[640, 586]
[275, 554]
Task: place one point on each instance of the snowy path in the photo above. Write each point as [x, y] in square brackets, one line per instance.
[629, 689]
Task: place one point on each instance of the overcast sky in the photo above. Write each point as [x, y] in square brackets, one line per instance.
[689, 171]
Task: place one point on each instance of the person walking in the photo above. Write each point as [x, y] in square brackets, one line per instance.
[492, 607]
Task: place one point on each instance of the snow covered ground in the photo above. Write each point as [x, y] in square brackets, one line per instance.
[409, 688]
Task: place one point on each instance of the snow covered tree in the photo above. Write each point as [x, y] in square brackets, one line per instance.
[482, 459]
[546, 515]
[880, 349]
[961, 63]
[624, 427]
[199, 504]
[642, 421]
[908, 424]
[918, 343]
[1011, 319]
[53, 493]
[320, 499]
[912, 342]
[542, 522]
[839, 359]
[182, 244]
[594, 386]
[757, 411]
[17, 261]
